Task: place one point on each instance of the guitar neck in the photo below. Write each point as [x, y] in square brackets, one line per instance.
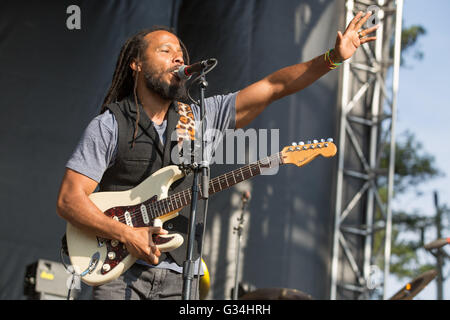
[298, 154]
[231, 178]
[183, 198]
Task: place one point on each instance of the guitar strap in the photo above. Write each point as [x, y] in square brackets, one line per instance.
[186, 124]
[185, 128]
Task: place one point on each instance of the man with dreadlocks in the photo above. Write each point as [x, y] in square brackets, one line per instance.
[132, 138]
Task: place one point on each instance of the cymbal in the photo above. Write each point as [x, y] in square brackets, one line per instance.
[411, 289]
[276, 294]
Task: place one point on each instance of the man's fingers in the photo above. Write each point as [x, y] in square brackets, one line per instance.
[156, 251]
[370, 30]
[153, 248]
[154, 229]
[152, 256]
[157, 230]
[153, 259]
[363, 20]
[368, 39]
[352, 24]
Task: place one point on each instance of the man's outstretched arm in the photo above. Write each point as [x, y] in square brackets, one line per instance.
[252, 100]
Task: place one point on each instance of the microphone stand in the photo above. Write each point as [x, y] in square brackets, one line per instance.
[238, 230]
[203, 168]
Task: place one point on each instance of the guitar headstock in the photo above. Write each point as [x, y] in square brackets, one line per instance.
[301, 153]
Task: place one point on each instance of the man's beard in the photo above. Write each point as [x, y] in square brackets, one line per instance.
[173, 92]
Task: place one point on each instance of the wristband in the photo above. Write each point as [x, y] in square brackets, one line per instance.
[331, 65]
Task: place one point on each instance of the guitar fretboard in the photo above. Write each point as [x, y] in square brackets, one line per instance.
[183, 198]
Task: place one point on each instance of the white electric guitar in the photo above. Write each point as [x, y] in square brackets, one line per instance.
[100, 260]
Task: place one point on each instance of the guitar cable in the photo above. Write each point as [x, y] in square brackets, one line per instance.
[72, 272]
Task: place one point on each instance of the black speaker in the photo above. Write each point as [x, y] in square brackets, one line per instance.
[49, 280]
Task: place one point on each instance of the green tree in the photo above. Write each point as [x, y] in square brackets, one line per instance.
[409, 43]
[412, 167]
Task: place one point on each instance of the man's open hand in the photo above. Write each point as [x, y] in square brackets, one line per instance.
[353, 37]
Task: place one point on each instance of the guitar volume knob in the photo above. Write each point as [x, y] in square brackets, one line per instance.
[111, 255]
[114, 243]
[106, 267]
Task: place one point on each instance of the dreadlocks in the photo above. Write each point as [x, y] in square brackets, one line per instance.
[124, 80]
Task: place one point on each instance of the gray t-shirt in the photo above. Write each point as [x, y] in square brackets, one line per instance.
[97, 148]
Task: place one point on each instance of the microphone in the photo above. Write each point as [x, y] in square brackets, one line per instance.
[436, 244]
[185, 72]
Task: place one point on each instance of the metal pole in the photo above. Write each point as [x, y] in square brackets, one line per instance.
[238, 230]
[203, 170]
[340, 174]
[439, 256]
[373, 153]
[395, 82]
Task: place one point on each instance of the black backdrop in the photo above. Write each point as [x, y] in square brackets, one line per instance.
[53, 81]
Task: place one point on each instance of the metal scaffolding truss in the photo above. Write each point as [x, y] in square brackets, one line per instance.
[367, 105]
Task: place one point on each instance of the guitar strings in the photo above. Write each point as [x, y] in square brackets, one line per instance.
[159, 205]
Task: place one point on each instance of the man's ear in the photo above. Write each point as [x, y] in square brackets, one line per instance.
[136, 66]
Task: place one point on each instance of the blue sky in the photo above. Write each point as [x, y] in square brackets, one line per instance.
[424, 109]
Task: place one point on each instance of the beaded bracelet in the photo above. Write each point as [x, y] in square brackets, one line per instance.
[331, 65]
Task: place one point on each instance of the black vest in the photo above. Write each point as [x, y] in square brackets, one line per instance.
[134, 164]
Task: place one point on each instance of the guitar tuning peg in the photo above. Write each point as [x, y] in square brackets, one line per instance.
[309, 142]
[294, 143]
[322, 140]
[315, 141]
[301, 143]
[330, 139]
